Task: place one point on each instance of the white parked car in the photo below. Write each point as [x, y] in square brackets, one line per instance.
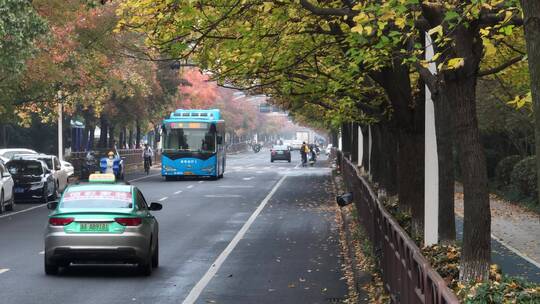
[68, 167]
[7, 154]
[53, 163]
[7, 201]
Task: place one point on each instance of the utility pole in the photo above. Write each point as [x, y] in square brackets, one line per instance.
[431, 168]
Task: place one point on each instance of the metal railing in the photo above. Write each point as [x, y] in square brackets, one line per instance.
[407, 275]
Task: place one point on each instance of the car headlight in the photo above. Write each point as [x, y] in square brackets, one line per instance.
[169, 168]
[36, 185]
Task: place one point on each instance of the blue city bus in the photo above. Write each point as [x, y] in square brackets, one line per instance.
[193, 144]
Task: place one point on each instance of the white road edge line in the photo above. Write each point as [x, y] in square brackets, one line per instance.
[514, 250]
[23, 211]
[203, 282]
[4, 270]
[162, 199]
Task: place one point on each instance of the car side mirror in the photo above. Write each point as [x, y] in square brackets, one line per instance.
[155, 207]
[52, 205]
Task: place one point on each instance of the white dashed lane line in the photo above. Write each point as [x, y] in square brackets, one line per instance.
[162, 199]
[190, 186]
[4, 270]
[248, 178]
[200, 182]
[178, 192]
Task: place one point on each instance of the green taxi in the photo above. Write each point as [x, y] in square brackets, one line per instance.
[102, 222]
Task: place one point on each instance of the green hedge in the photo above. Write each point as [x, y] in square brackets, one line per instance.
[503, 170]
[523, 177]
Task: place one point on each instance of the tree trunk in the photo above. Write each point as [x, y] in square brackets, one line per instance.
[411, 178]
[444, 131]
[104, 126]
[531, 11]
[91, 138]
[112, 140]
[130, 138]
[138, 135]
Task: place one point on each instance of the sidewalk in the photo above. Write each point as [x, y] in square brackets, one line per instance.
[515, 236]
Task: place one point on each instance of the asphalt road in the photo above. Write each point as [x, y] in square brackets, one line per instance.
[263, 234]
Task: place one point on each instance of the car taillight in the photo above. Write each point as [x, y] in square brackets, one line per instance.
[273, 151]
[128, 221]
[61, 221]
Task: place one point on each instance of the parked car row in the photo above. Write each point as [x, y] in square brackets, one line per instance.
[26, 175]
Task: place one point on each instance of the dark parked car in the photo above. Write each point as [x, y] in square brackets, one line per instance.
[280, 153]
[33, 180]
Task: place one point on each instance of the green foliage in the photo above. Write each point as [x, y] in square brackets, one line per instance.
[523, 177]
[505, 291]
[20, 26]
[504, 168]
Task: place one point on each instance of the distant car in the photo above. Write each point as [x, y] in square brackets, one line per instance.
[102, 223]
[68, 167]
[280, 153]
[53, 163]
[33, 180]
[7, 200]
[7, 154]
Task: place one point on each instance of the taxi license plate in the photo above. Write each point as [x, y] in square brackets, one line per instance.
[94, 227]
[279, 152]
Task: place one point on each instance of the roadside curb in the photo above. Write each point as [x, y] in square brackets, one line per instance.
[359, 277]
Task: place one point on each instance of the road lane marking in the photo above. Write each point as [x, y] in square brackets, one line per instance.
[200, 182]
[248, 178]
[162, 199]
[23, 211]
[203, 282]
[222, 195]
[178, 192]
[41, 252]
[190, 186]
[514, 250]
[4, 270]
[236, 186]
[147, 176]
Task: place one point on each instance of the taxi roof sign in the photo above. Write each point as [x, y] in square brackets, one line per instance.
[108, 178]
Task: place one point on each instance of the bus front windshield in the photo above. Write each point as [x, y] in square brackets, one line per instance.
[191, 140]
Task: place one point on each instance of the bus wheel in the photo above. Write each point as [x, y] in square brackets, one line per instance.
[220, 176]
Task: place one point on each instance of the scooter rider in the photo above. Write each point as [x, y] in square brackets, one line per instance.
[110, 162]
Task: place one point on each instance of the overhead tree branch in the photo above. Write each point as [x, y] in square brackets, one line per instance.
[320, 11]
[500, 67]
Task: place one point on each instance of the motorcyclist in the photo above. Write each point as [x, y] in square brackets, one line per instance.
[110, 162]
[148, 154]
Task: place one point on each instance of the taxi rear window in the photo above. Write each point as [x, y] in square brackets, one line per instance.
[97, 199]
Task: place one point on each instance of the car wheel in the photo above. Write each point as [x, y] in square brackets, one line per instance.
[45, 198]
[50, 267]
[2, 207]
[55, 192]
[271, 160]
[146, 266]
[12, 202]
[155, 256]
